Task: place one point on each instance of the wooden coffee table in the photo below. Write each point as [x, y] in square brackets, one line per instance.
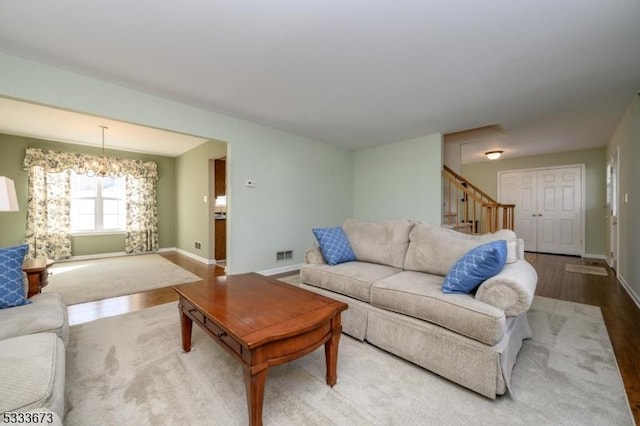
[262, 322]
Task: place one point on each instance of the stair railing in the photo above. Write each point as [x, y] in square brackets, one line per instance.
[470, 210]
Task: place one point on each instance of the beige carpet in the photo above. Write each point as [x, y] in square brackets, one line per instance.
[129, 370]
[88, 280]
[584, 269]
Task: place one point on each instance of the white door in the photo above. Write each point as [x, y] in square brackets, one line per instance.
[548, 213]
[520, 188]
[560, 211]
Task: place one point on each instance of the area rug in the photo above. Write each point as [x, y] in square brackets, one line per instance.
[97, 279]
[584, 269]
[129, 370]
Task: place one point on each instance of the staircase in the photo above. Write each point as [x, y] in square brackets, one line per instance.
[470, 210]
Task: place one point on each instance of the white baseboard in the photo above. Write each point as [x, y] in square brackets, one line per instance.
[93, 256]
[281, 269]
[201, 259]
[596, 256]
[629, 290]
[196, 257]
[112, 254]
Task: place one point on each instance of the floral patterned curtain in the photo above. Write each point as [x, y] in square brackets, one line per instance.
[142, 215]
[48, 216]
[56, 162]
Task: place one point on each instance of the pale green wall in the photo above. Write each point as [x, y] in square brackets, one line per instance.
[192, 183]
[12, 225]
[627, 138]
[300, 183]
[400, 180]
[311, 180]
[485, 176]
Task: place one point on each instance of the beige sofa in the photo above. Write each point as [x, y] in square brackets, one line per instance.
[32, 361]
[396, 303]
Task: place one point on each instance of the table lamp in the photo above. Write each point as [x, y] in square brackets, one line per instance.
[8, 198]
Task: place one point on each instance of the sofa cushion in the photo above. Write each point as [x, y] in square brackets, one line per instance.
[46, 313]
[352, 279]
[384, 243]
[433, 249]
[11, 279]
[334, 245]
[33, 373]
[419, 295]
[477, 265]
[354, 319]
[425, 253]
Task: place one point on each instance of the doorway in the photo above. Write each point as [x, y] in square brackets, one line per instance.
[219, 195]
[613, 204]
[549, 213]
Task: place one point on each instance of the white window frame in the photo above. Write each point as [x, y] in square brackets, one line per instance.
[98, 210]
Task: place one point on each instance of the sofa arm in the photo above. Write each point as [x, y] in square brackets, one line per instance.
[314, 256]
[520, 248]
[511, 290]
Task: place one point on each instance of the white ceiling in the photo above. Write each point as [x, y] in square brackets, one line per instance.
[26, 119]
[556, 75]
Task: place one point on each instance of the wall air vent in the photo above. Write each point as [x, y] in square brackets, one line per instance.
[284, 255]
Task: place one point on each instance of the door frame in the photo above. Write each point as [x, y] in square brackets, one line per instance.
[211, 208]
[583, 194]
[614, 160]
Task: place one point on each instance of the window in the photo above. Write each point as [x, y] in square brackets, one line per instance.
[97, 204]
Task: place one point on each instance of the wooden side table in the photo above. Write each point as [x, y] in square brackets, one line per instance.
[37, 273]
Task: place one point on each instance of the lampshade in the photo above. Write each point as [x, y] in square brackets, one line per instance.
[8, 199]
[493, 155]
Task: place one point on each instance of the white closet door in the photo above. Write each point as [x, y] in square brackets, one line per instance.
[548, 213]
[560, 211]
[520, 188]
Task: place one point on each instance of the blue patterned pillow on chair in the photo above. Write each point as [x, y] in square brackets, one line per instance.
[11, 280]
[477, 265]
[334, 245]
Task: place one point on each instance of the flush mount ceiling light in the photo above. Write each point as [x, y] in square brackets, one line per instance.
[493, 155]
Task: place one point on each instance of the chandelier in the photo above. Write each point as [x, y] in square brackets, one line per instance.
[103, 167]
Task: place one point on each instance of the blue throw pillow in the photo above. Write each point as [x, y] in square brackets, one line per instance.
[477, 265]
[11, 282]
[334, 245]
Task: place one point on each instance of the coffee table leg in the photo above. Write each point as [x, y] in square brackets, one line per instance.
[186, 324]
[255, 393]
[331, 351]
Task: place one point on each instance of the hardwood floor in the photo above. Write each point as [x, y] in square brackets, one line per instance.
[621, 315]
